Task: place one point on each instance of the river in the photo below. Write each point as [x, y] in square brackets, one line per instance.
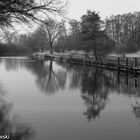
[47, 100]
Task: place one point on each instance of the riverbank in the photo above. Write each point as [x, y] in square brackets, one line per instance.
[123, 63]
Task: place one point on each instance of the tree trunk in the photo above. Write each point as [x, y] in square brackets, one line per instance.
[50, 67]
[94, 48]
[95, 52]
[50, 71]
[51, 48]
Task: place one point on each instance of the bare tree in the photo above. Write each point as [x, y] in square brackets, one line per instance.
[8, 36]
[51, 30]
[28, 10]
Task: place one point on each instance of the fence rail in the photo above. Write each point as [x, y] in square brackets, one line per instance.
[119, 63]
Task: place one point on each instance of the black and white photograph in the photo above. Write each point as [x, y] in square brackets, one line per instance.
[69, 70]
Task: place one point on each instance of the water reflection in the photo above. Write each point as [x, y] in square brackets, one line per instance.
[94, 92]
[85, 94]
[94, 89]
[51, 81]
[95, 84]
[92, 80]
[48, 80]
[136, 109]
[9, 125]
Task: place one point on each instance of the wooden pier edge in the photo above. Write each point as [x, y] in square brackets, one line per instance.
[89, 62]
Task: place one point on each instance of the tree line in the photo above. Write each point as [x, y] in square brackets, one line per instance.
[91, 34]
[27, 12]
[86, 35]
[125, 31]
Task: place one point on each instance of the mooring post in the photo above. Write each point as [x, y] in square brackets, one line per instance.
[126, 77]
[118, 71]
[118, 61]
[118, 76]
[135, 62]
[70, 59]
[136, 79]
[126, 62]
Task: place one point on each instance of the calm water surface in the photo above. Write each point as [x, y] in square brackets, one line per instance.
[58, 101]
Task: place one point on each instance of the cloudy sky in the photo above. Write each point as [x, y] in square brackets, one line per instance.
[77, 8]
[104, 7]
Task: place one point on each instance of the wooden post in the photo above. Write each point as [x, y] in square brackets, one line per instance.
[135, 62]
[70, 59]
[118, 61]
[126, 62]
[126, 77]
[118, 72]
[136, 79]
[118, 76]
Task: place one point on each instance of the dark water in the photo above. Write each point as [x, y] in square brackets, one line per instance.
[58, 101]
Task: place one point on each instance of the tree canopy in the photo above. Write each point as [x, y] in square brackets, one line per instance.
[28, 10]
[91, 26]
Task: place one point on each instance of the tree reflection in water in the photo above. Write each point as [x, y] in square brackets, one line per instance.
[94, 92]
[136, 109]
[99, 83]
[94, 88]
[95, 84]
[48, 79]
[9, 125]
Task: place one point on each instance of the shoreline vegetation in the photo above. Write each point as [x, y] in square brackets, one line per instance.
[10, 49]
[91, 34]
[131, 62]
[97, 39]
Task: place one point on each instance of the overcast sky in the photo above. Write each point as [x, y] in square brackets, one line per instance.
[104, 7]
